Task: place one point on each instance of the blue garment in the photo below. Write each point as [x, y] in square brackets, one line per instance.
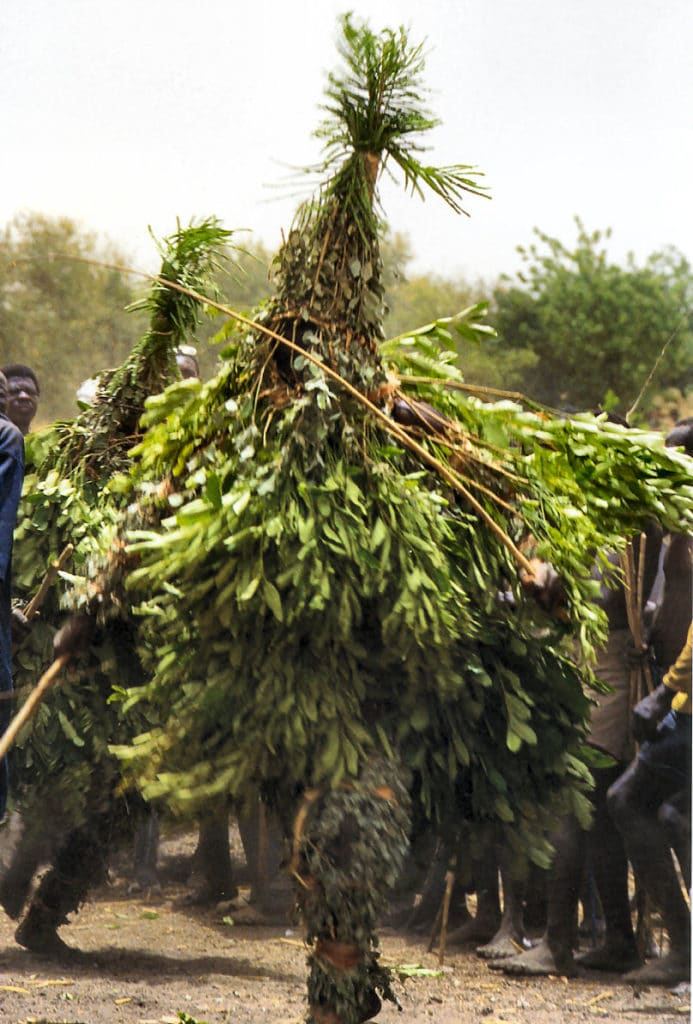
[668, 755]
[11, 479]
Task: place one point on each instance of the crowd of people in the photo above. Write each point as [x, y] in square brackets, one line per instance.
[641, 799]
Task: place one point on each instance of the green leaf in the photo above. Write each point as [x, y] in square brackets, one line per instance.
[249, 590]
[274, 601]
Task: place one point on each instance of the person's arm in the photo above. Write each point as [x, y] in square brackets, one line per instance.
[11, 477]
[546, 587]
[678, 678]
[648, 713]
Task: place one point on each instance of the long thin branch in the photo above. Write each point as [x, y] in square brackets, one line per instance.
[657, 361]
[473, 389]
[30, 706]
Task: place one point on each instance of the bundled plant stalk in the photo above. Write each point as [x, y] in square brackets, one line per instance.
[322, 602]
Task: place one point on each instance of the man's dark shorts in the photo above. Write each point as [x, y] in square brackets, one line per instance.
[669, 754]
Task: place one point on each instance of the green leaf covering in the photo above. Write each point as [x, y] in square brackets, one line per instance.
[318, 589]
[73, 495]
[317, 592]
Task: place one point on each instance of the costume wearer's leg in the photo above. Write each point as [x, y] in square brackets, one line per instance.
[79, 864]
[265, 847]
[211, 877]
[31, 837]
[634, 801]
[421, 917]
[351, 848]
[535, 908]
[610, 868]
[23, 863]
[411, 883]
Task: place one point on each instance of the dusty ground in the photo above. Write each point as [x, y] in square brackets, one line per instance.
[149, 961]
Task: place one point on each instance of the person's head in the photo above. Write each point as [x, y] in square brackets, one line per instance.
[22, 394]
[186, 360]
[3, 392]
[611, 417]
[681, 436]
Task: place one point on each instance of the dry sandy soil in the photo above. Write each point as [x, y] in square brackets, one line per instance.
[147, 960]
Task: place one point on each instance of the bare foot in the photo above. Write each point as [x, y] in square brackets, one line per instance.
[472, 932]
[254, 915]
[617, 959]
[504, 945]
[670, 970]
[145, 881]
[537, 962]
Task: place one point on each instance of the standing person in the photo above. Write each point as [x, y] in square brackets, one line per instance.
[11, 478]
[651, 801]
[22, 394]
[673, 614]
[640, 802]
[601, 845]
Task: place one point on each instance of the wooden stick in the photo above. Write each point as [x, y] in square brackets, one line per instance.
[30, 706]
[449, 882]
[262, 869]
[634, 605]
[634, 585]
[647, 674]
[53, 569]
[436, 927]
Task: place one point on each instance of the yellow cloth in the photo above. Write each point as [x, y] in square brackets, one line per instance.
[680, 675]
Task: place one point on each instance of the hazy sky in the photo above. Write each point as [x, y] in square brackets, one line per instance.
[133, 113]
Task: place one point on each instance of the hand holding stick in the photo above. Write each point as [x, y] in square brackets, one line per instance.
[30, 706]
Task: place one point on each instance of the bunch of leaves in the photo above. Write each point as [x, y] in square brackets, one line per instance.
[327, 582]
[328, 272]
[69, 497]
[376, 105]
[95, 445]
[344, 599]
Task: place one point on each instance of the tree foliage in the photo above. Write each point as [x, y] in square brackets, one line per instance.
[596, 329]
[244, 281]
[422, 298]
[60, 314]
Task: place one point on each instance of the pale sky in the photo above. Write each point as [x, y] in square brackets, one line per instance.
[127, 113]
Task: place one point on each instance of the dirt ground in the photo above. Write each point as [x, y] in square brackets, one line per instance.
[148, 960]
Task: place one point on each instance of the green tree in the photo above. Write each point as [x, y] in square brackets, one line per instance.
[423, 298]
[63, 316]
[596, 330]
[243, 282]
